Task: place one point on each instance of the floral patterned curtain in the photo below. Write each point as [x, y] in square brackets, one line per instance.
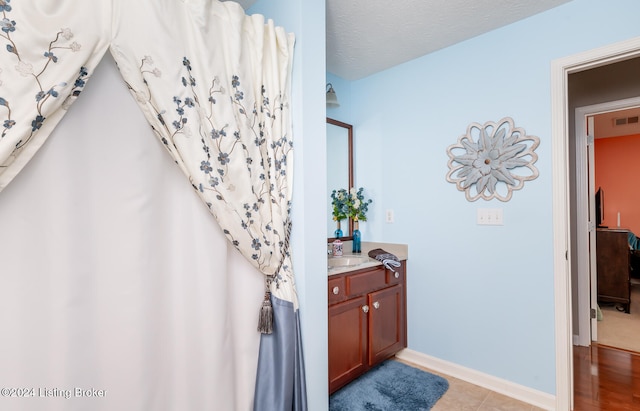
[215, 91]
[48, 50]
[213, 84]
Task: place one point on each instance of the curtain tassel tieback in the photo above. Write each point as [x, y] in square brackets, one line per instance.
[265, 321]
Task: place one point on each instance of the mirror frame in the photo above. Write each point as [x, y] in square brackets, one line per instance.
[349, 128]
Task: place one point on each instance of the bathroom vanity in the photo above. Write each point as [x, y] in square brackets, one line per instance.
[367, 315]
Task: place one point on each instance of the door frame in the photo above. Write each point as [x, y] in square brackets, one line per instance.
[560, 70]
[586, 225]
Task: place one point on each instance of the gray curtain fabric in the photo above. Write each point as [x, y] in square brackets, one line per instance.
[280, 382]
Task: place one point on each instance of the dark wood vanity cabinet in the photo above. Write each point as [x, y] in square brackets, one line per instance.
[612, 261]
[347, 342]
[367, 321]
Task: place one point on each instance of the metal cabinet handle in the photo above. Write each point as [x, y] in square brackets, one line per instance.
[396, 274]
[336, 290]
[365, 308]
[376, 305]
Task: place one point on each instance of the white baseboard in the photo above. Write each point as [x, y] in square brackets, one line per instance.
[534, 397]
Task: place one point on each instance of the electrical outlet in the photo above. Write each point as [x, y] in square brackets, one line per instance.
[389, 216]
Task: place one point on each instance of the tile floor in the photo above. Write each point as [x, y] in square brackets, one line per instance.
[463, 396]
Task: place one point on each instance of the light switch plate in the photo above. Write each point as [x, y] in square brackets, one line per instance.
[490, 216]
[389, 216]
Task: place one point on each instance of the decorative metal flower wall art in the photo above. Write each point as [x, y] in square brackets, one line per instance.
[492, 160]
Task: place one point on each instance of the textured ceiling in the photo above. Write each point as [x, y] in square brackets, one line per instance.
[368, 36]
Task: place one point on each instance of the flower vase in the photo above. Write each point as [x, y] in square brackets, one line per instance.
[357, 237]
[338, 232]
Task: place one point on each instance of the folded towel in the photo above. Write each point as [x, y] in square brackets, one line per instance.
[634, 242]
[388, 260]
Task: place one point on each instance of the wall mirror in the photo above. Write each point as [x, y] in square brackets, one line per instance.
[339, 170]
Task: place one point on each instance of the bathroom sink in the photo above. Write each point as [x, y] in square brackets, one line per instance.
[347, 261]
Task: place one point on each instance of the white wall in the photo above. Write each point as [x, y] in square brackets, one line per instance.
[479, 296]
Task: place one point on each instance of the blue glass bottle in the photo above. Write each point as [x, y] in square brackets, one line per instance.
[357, 238]
[338, 232]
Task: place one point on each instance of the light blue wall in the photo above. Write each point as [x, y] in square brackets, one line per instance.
[342, 88]
[478, 296]
[362, 157]
[306, 20]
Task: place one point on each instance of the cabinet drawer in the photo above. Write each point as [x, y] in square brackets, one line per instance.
[362, 283]
[397, 276]
[337, 290]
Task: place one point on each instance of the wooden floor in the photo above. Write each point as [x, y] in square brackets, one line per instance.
[606, 379]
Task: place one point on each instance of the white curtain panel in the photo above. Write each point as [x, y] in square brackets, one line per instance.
[212, 82]
[114, 276]
[214, 85]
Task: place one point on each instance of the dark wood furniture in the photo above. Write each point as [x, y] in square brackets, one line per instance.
[612, 259]
[367, 321]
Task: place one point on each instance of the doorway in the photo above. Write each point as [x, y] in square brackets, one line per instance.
[564, 198]
[587, 328]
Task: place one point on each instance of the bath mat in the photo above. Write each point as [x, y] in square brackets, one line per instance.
[390, 386]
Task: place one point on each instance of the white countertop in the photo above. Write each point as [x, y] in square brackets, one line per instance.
[399, 250]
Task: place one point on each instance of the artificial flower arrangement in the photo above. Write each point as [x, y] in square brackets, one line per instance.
[339, 204]
[349, 204]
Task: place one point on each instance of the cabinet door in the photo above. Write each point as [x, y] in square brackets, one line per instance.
[347, 341]
[386, 323]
